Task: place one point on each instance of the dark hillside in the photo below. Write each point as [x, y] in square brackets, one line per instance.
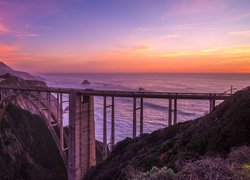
[27, 149]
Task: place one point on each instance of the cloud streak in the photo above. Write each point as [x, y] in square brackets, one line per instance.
[28, 35]
[171, 36]
[193, 7]
[240, 33]
[6, 49]
[212, 49]
[141, 48]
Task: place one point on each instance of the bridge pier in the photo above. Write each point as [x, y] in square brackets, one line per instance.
[60, 118]
[112, 133]
[104, 136]
[141, 116]
[135, 108]
[211, 105]
[81, 136]
[175, 111]
[134, 117]
[172, 112]
[113, 123]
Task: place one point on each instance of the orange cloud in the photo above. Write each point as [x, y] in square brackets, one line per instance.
[6, 48]
[141, 48]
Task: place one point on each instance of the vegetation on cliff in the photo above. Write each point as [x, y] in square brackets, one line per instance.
[27, 149]
[213, 135]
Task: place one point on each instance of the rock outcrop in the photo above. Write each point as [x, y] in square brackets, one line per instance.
[141, 89]
[86, 82]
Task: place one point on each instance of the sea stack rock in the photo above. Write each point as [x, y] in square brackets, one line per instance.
[140, 89]
[86, 82]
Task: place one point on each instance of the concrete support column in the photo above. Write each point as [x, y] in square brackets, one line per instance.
[104, 136]
[57, 107]
[60, 116]
[170, 112]
[81, 136]
[211, 105]
[134, 117]
[141, 116]
[113, 123]
[175, 111]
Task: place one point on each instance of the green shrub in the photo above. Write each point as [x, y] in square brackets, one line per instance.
[156, 173]
[246, 170]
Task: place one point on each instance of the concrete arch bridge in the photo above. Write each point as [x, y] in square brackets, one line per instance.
[76, 140]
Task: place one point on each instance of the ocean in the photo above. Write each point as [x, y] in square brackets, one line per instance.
[155, 110]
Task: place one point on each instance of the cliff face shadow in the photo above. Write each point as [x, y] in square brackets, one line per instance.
[27, 149]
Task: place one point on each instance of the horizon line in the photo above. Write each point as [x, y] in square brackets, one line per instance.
[142, 73]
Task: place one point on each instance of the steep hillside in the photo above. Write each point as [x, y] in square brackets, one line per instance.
[27, 149]
[6, 69]
[226, 127]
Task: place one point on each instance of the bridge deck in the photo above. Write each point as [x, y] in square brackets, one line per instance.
[146, 94]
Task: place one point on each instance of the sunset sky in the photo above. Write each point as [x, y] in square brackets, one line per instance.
[125, 35]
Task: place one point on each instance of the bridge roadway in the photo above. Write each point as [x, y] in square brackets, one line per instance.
[143, 94]
[77, 148]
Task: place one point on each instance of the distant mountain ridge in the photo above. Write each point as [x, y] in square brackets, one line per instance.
[24, 75]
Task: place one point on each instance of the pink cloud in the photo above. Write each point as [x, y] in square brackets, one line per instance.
[240, 33]
[29, 35]
[239, 17]
[4, 28]
[6, 48]
[172, 36]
